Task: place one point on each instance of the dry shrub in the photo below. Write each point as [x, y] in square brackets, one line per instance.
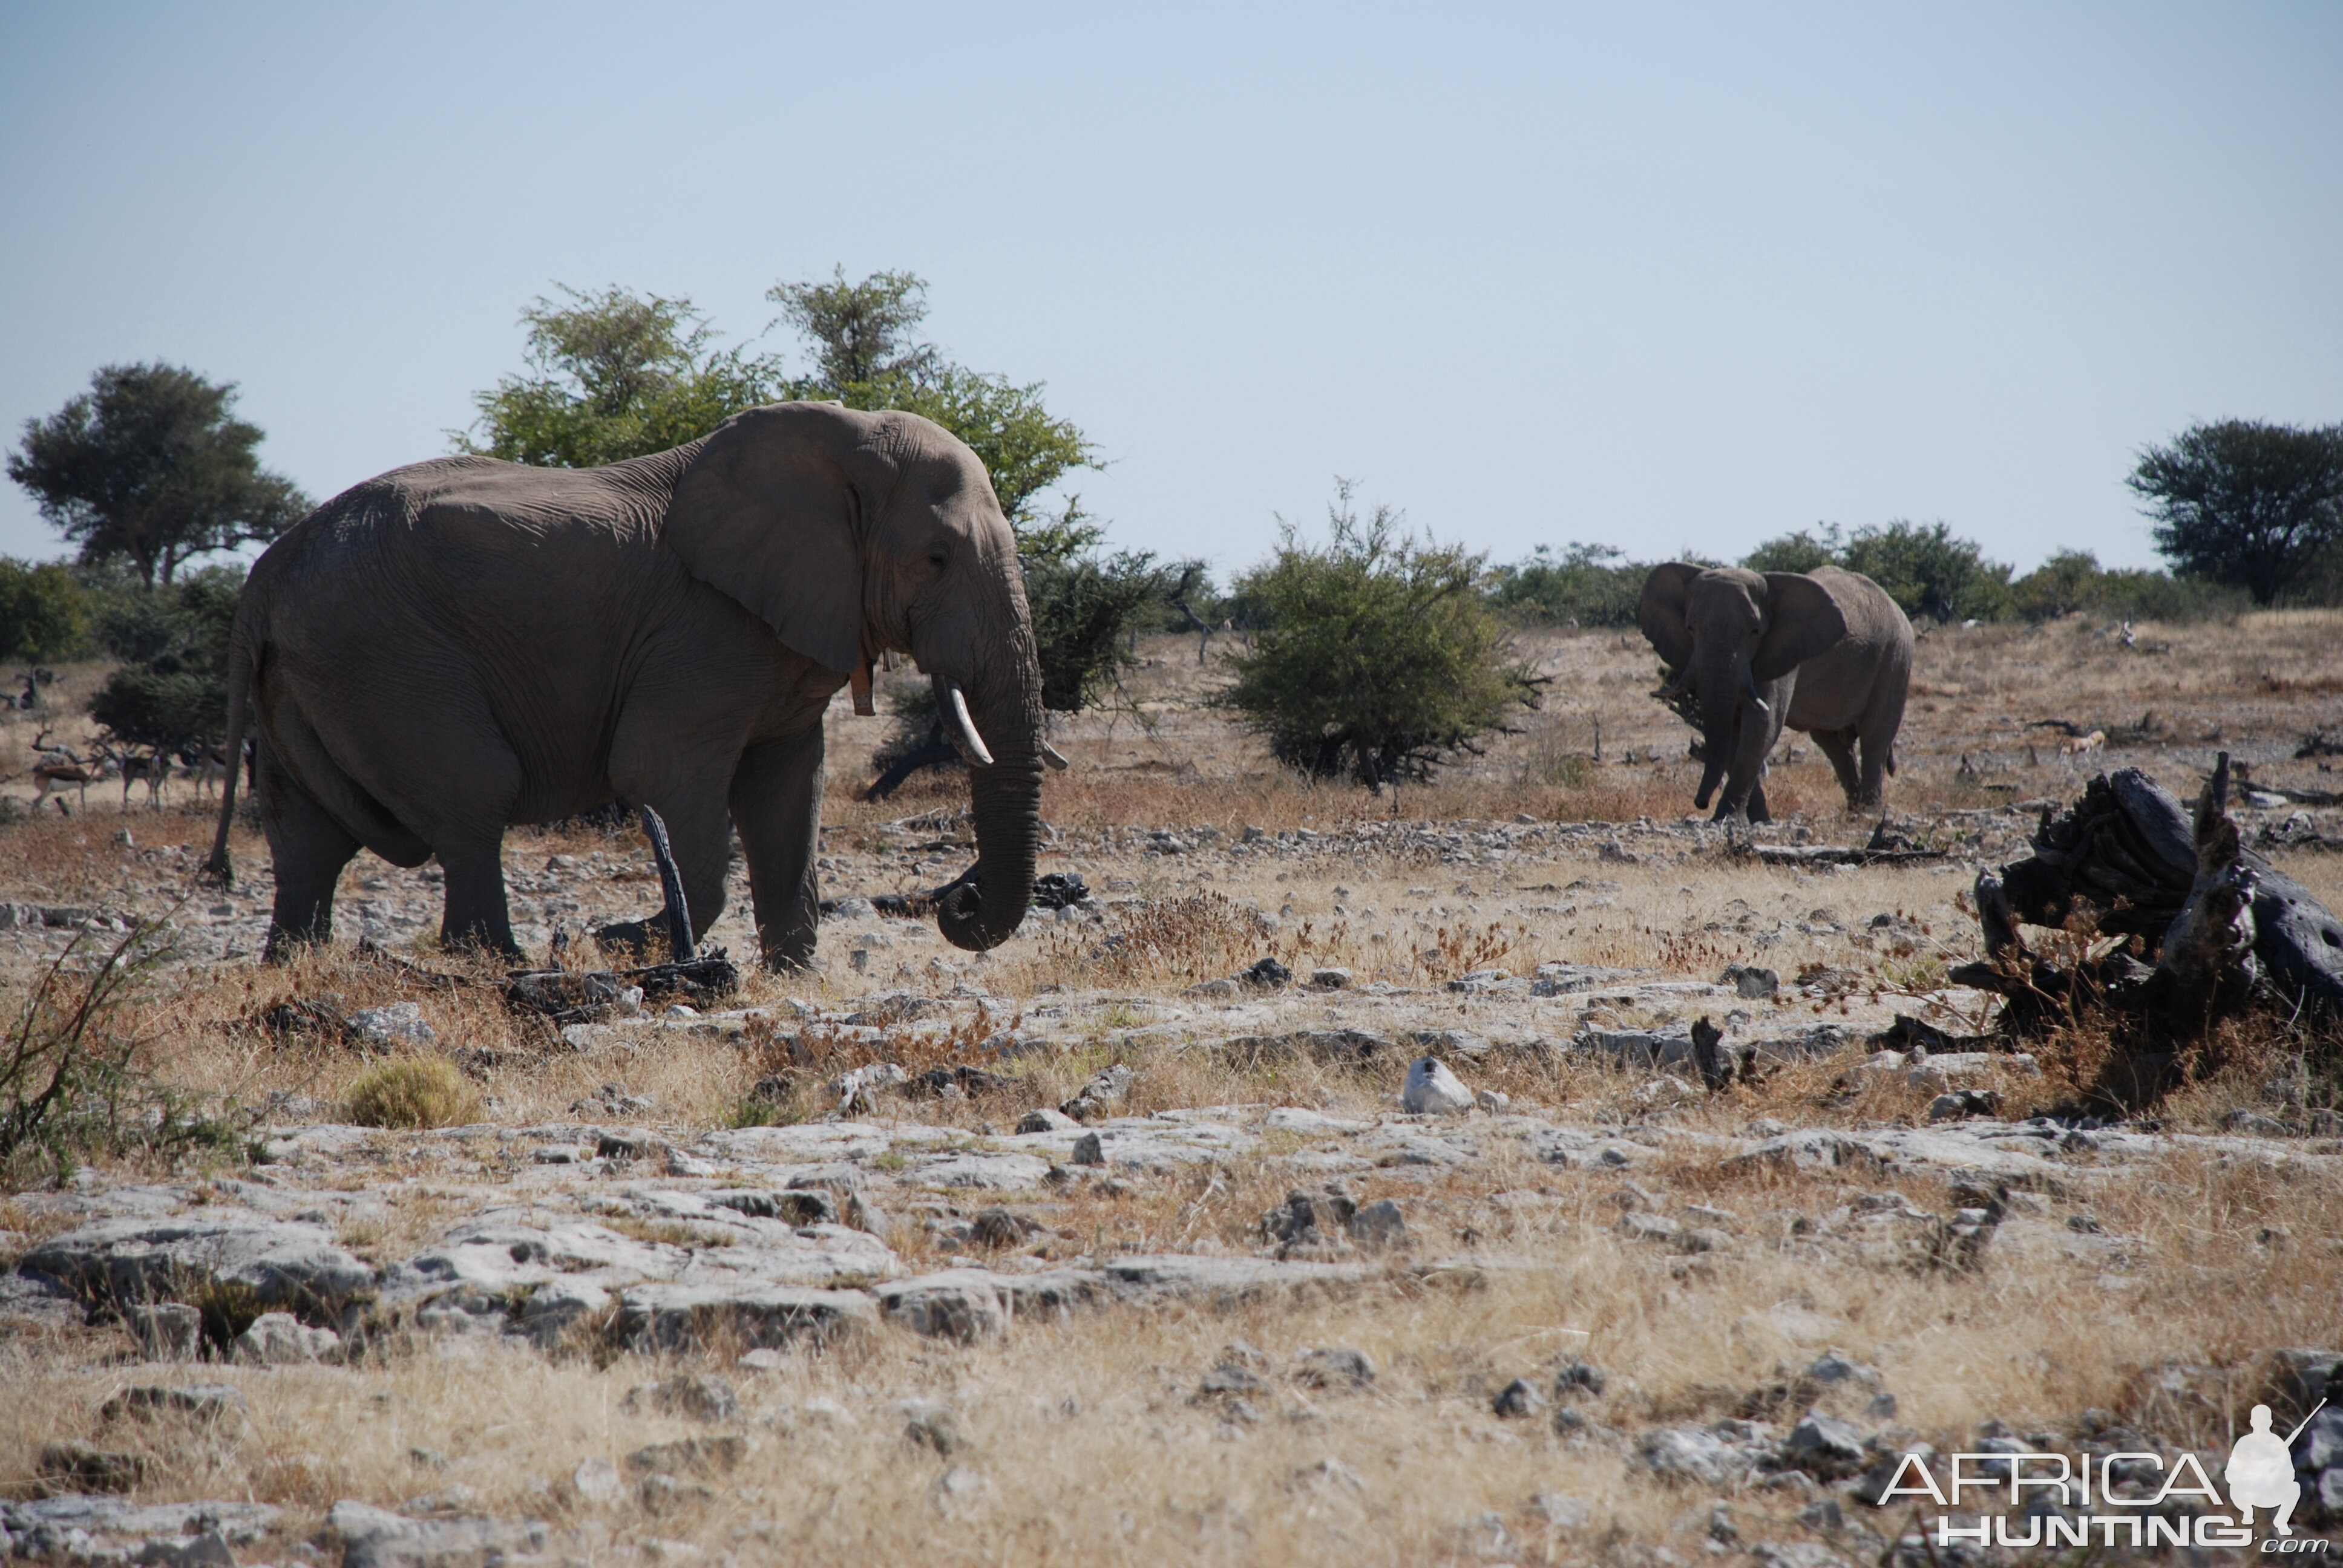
[411, 1095]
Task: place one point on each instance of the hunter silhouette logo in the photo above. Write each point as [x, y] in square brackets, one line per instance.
[2121, 1499]
[2260, 1471]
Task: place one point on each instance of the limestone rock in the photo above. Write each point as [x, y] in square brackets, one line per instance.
[376, 1538]
[963, 1304]
[759, 1316]
[1432, 1090]
[280, 1338]
[141, 1259]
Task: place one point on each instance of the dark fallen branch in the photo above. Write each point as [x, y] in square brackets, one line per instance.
[1058, 890]
[2174, 924]
[1837, 855]
[672, 924]
[563, 996]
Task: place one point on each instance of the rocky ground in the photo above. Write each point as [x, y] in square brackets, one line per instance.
[1119, 1244]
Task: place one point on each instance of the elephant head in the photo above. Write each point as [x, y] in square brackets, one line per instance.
[1730, 634]
[854, 534]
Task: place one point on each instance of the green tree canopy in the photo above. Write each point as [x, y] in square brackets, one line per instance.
[860, 338]
[613, 375]
[1927, 570]
[2253, 504]
[1378, 654]
[44, 610]
[149, 466]
[174, 687]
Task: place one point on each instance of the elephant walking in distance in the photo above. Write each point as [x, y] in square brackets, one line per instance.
[465, 645]
[1827, 652]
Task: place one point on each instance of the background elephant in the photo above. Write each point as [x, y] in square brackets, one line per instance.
[1827, 652]
[467, 644]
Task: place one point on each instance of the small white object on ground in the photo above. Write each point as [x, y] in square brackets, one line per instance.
[1432, 1090]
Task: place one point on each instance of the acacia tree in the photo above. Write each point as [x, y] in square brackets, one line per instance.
[150, 466]
[613, 375]
[2253, 504]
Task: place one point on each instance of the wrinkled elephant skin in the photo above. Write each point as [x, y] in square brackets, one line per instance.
[1826, 652]
[465, 645]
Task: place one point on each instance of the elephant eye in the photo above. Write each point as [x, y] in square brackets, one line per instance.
[938, 557]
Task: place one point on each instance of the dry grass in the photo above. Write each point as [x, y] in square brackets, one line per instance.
[1090, 1443]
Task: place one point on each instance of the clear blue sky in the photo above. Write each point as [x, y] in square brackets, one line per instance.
[1655, 275]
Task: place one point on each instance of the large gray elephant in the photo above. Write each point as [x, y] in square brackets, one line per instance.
[464, 645]
[1827, 652]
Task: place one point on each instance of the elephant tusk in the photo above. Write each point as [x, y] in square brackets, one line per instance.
[1051, 755]
[958, 726]
[1751, 678]
[861, 683]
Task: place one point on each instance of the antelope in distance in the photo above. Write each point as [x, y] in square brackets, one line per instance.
[59, 768]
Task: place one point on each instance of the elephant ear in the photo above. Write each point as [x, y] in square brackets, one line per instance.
[1661, 612]
[765, 515]
[1802, 619]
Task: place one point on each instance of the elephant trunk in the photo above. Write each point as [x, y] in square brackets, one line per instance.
[1720, 716]
[985, 907]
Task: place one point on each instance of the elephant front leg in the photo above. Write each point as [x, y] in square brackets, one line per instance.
[777, 806]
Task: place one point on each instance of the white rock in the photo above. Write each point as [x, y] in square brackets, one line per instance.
[597, 1481]
[400, 1021]
[280, 1338]
[1432, 1090]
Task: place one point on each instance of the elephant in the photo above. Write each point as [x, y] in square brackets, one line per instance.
[1827, 652]
[464, 645]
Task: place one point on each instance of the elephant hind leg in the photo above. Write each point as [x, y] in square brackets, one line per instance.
[1839, 745]
[309, 849]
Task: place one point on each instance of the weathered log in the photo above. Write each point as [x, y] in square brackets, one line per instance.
[1837, 855]
[2242, 932]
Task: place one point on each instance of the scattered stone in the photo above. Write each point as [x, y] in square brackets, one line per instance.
[1268, 974]
[217, 1405]
[1751, 981]
[1228, 1380]
[376, 1538]
[961, 1304]
[764, 1317]
[1562, 1512]
[1958, 1105]
[1102, 1094]
[1005, 1228]
[960, 1491]
[1331, 979]
[1579, 1380]
[690, 1456]
[709, 1399]
[1336, 1367]
[1379, 1225]
[1433, 1091]
[1517, 1400]
[140, 1258]
[1088, 1150]
[1825, 1447]
[597, 1481]
[935, 1427]
[280, 1338]
[84, 1467]
[1046, 1120]
[399, 1022]
[167, 1330]
[1327, 1476]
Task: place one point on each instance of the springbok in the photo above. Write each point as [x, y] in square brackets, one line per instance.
[153, 769]
[55, 774]
[207, 764]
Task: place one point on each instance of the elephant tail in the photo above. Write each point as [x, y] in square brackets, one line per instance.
[218, 869]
